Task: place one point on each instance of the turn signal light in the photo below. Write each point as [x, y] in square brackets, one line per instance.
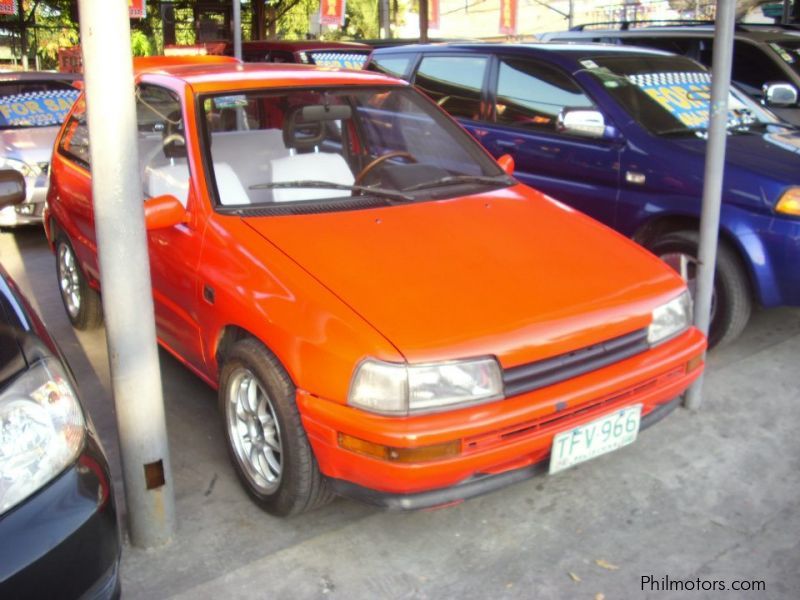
[694, 363]
[789, 204]
[402, 455]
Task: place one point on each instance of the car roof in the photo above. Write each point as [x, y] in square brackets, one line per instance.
[696, 31]
[297, 45]
[216, 74]
[571, 50]
[37, 76]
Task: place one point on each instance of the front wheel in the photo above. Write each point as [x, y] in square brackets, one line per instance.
[80, 300]
[731, 301]
[266, 440]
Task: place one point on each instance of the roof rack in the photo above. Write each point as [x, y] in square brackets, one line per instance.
[625, 25]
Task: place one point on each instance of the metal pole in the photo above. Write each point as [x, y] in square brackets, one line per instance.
[125, 271]
[715, 166]
[237, 29]
[423, 21]
[787, 12]
[383, 17]
[571, 17]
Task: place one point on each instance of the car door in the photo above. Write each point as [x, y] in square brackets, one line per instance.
[73, 184]
[457, 83]
[526, 98]
[174, 251]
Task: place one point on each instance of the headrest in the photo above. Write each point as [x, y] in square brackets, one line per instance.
[304, 126]
[174, 140]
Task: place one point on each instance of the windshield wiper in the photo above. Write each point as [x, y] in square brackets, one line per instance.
[455, 179]
[375, 191]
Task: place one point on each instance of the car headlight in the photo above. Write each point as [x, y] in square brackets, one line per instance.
[670, 319]
[402, 389]
[41, 431]
[21, 166]
[789, 204]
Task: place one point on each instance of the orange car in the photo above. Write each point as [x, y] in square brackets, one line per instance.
[386, 312]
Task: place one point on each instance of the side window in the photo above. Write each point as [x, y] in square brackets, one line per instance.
[396, 66]
[531, 95]
[75, 142]
[753, 67]
[454, 83]
[162, 144]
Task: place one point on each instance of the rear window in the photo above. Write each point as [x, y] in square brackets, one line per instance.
[35, 103]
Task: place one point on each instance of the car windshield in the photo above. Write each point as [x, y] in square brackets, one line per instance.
[789, 51]
[670, 95]
[337, 148]
[35, 103]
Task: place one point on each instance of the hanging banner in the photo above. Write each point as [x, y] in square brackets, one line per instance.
[331, 12]
[433, 14]
[137, 9]
[508, 17]
[8, 7]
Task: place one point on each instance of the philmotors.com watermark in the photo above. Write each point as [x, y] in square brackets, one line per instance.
[651, 583]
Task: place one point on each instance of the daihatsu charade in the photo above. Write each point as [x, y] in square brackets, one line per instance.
[386, 312]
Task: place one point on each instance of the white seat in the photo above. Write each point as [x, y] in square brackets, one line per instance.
[316, 166]
[230, 188]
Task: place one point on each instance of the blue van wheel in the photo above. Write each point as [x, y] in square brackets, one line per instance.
[731, 303]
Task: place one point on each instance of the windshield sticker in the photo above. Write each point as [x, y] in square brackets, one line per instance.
[36, 109]
[338, 60]
[685, 95]
[237, 101]
[589, 64]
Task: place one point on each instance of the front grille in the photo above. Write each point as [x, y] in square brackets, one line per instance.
[539, 374]
[560, 419]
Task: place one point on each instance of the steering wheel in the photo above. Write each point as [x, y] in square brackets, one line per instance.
[382, 158]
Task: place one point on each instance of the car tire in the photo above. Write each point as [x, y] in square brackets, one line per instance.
[81, 301]
[732, 302]
[266, 440]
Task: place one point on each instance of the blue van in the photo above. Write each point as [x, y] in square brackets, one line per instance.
[620, 134]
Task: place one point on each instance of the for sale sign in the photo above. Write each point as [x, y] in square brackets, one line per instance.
[331, 12]
[433, 14]
[508, 17]
[137, 9]
[8, 7]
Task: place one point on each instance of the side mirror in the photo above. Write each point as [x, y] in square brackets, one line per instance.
[779, 93]
[164, 211]
[12, 188]
[581, 122]
[506, 162]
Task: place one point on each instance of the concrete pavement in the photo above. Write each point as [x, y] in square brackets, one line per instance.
[712, 496]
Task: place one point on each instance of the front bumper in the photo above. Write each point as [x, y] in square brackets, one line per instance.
[502, 442]
[477, 485]
[63, 542]
[27, 213]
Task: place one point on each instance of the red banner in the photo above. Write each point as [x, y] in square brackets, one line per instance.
[433, 14]
[137, 9]
[508, 17]
[8, 7]
[331, 12]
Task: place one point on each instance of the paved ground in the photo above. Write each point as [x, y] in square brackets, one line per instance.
[713, 495]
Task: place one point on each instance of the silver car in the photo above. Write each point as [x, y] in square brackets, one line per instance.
[32, 108]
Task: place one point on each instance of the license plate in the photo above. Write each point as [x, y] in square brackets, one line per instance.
[601, 436]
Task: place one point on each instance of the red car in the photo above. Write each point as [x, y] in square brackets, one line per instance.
[386, 312]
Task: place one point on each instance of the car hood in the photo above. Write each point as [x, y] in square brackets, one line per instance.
[30, 144]
[775, 154]
[509, 273]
